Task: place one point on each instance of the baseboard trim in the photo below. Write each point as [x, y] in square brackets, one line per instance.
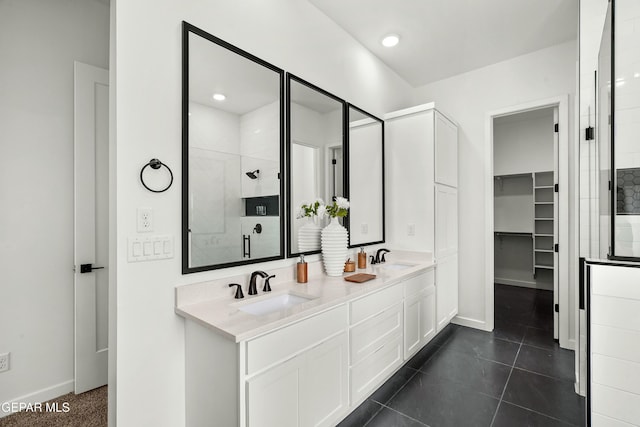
[41, 395]
[472, 323]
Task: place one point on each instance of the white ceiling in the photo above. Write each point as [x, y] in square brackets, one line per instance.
[442, 38]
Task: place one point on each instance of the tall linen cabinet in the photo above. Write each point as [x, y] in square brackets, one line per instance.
[421, 152]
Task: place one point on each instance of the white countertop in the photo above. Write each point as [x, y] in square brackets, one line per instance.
[214, 307]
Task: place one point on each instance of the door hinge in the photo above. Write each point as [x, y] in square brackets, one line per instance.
[556, 307]
[334, 161]
[555, 247]
[555, 127]
[588, 133]
[556, 187]
[609, 185]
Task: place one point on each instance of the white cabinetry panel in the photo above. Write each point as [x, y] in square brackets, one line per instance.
[308, 390]
[446, 152]
[367, 336]
[281, 344]
[273, 397]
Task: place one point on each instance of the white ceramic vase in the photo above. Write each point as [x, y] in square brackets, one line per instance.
[335, 239]
[309, 236]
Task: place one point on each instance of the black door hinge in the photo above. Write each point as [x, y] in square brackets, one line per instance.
[555, 127]
[556, 308]
[588, 133]
[334, 161]
[609, 185]
[555, 247]
[555, 187]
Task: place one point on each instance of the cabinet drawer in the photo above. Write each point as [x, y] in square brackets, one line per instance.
[416, 284]
[290, 340]
[369, 335]
[374, 304]
[367, 375]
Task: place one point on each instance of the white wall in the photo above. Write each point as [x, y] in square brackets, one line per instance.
[523, 143]
[39, 40]
[467, 98]
[289, 33]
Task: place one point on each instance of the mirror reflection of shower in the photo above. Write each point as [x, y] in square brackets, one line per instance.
[253, 174]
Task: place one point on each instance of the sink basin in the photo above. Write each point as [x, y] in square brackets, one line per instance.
[396, 266]
[274, 303]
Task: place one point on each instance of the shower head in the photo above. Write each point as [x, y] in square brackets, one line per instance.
[253, 174]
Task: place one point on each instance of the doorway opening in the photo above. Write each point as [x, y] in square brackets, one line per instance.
[547, 200]
[525, 169]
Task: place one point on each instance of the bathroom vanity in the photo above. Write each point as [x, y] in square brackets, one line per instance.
[303, 354]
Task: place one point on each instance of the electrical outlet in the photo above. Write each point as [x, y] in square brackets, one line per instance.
[364, 228]
[4, 362]
[145, 220]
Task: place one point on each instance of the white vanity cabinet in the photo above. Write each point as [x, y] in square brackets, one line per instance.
[297, 376]
[308, 390]
[294, 376]
[375, 340]
[419, 312]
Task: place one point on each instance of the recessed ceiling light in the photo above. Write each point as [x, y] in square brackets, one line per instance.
[219, 97]
[390, 40]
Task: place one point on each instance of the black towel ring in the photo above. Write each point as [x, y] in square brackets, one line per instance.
[156, 164]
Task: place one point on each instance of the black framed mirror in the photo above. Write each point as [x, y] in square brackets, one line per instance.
[316, 160]
[365, 172]
[232, 155]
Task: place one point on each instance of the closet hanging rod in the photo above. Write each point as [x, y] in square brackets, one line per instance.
[509, 233]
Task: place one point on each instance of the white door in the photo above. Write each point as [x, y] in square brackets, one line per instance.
[556, 235]
[91, 195]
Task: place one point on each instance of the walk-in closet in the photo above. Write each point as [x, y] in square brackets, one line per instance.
[525, 157]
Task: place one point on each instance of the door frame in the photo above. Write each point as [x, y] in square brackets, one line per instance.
[562, 104]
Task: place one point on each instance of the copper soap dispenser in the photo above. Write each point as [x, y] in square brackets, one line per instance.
[301, 273]
[362, 259]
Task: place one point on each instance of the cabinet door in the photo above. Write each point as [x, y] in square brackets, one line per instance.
[273, 397]
[412, 333]
[446, 151]
[446, 229]
[446, 290]
[427, 315]
[323, 383]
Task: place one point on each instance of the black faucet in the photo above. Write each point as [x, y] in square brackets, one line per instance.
[252, 282]
[239, 293]
[267, 287]
[378, 259]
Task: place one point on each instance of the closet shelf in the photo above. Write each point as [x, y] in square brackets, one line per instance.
[513, 233]
[544, 235]
[547, 267]
[544, 250]
[543, 186]
[543, 203]
[543, 219]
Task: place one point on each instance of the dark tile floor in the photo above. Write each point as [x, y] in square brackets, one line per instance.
[515, 376]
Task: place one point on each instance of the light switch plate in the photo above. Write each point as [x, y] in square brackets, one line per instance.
[411, 230]
[149, 248]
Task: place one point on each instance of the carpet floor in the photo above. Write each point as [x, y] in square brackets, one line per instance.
[83, 410]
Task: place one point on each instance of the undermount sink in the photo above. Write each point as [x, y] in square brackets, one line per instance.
[396, 266]
[274, 303]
